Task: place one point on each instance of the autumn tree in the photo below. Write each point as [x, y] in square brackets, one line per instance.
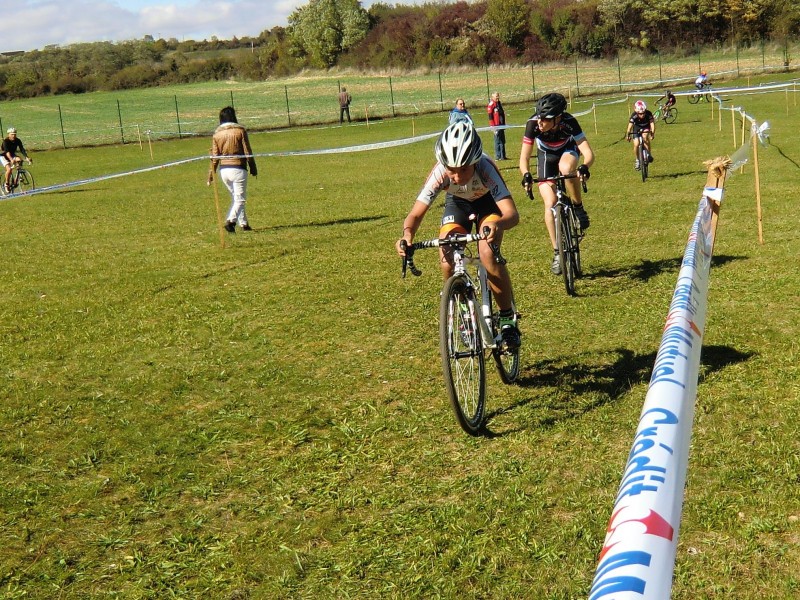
[323, 29]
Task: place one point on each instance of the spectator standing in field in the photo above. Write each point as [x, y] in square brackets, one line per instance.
[9, 148]
[497, 117]
[231, 152]
[460, 113]
[344, 105]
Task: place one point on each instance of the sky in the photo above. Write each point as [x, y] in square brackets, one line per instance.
[34, 24]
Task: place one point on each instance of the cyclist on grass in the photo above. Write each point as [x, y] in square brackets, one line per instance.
[701, 81]
[475, 195]
[641, 121]
[671, 100]
[559, 142]
[9, 148]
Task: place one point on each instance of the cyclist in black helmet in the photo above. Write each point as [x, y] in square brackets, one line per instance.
[559, 141]
[671, 100]
[476, 195]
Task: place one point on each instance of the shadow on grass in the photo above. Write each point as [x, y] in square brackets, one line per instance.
[580, 387]
[348, 221]
[676, 175]
[647, 269]
[784, 155]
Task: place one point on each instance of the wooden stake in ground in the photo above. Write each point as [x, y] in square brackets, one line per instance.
[219, 212]
[717, 171]
[758, 188]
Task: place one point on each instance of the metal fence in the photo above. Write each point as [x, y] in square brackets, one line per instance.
[100, 118]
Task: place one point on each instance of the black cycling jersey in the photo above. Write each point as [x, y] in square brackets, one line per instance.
[641, 122]
[568, 130]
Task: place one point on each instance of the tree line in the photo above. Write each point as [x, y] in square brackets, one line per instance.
[341, 33]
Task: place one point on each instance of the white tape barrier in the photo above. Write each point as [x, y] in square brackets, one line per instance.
[638, 556]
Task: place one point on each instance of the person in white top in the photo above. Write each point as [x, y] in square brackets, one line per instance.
[476, 196]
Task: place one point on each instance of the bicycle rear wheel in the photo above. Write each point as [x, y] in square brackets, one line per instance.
[507, 361]
[693, 98]
[461, 347]
[670, 116]
[565, 244]
[25, 181]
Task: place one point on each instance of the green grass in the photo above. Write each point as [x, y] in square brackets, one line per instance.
[268, 419]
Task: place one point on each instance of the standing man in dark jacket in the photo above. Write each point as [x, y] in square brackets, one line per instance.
[344, 105]
[231, 152]
[497, 117]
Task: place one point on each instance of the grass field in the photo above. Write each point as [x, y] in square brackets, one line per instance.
[268, 419]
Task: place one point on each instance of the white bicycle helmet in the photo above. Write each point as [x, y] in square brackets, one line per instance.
[459, 146]
[639, 106]
[11, 130]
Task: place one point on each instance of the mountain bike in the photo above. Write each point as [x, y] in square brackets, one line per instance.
[568, 230]
[668, 115]
[469, 327]
[700, 95]
[21, 180]
[642, 155]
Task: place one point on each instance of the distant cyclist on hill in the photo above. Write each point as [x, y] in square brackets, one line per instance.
[641, 121]
[476, 196]
[559, 141]
[9, 148]
[702, 81]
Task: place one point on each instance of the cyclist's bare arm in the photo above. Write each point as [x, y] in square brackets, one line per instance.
[525, 160]
[509, 218]
[411, 224]
[586, 151]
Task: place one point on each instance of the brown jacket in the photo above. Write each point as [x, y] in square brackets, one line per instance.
[230, 140]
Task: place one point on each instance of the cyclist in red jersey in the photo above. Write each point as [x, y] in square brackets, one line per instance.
[476, 195]
[559, 142]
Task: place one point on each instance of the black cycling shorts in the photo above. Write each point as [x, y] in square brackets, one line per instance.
[547, 162]
[457, 212]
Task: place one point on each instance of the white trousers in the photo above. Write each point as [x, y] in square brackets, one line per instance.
[235, 180]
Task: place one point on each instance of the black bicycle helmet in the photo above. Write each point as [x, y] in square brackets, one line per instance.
[459, 146]
[551, 105]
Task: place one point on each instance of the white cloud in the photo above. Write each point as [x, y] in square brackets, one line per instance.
[66, 22]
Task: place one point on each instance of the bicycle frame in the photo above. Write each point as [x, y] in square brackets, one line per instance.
[461, 262]
[18, 171]
[568, 242]
[464, 334]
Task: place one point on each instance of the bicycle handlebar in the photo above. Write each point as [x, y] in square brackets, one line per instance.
[459, 239]
[558, 178]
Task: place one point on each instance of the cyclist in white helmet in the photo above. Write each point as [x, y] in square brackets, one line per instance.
[641, 120]
[476, 196]
[8, 155]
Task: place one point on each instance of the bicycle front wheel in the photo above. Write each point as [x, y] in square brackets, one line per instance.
[643, 160]
[26, 182]
[565, 242]
[461, 347]
[576, 244]
[670, 116]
